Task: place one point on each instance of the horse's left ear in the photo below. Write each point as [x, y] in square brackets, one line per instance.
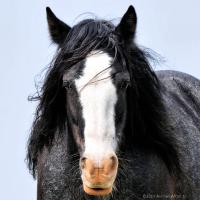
[127, 25]
[58, 29]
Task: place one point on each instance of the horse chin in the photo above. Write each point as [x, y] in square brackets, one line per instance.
[97, 191]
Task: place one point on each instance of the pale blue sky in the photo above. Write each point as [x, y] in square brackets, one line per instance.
[171, 28]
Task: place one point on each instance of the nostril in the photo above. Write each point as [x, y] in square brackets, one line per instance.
[114, 162]
[83, 162]
[110, 164]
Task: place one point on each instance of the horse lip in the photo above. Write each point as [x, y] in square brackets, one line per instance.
[97, 191]
[98, 186]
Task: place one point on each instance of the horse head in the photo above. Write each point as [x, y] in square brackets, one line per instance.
[96, 79]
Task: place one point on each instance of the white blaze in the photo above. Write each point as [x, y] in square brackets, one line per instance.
[98, 101]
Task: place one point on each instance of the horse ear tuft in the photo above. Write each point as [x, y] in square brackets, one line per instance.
[58, 30]
[127, 25]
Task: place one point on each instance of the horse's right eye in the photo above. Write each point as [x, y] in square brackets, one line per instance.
[68, 85]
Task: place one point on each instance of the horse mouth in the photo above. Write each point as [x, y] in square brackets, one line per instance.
[97, 191]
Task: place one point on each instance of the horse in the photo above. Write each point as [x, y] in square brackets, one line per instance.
[107, 126]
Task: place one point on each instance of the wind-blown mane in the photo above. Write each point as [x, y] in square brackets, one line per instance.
[147, 124]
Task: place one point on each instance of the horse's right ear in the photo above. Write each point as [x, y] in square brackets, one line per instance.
[58, 30]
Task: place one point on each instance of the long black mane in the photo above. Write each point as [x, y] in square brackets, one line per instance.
[147, 124]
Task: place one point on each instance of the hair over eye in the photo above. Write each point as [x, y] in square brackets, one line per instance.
[68, 85]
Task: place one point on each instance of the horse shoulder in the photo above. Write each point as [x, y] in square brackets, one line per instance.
[181, 96]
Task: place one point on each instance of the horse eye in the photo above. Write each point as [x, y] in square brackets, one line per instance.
[67, 85]
[124, 84]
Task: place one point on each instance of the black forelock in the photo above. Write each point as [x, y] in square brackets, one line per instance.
[87, 36]
[87, 32]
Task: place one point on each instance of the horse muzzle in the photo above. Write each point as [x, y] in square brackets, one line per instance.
[98, 176]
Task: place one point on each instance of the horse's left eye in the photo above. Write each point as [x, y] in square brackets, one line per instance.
[124, 84]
